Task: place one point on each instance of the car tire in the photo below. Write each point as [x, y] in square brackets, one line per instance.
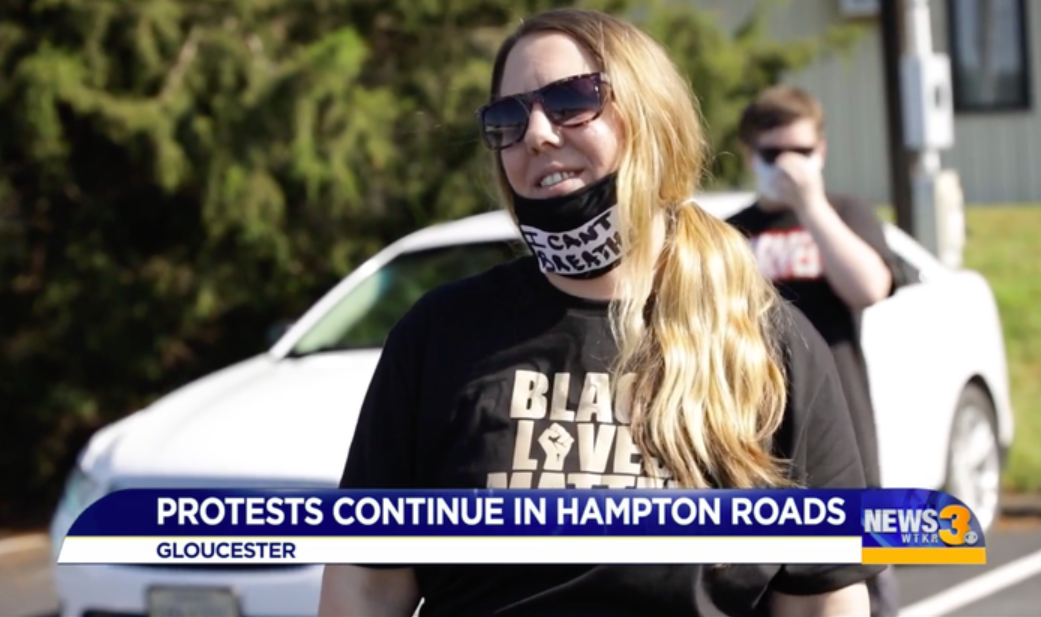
[974, 456]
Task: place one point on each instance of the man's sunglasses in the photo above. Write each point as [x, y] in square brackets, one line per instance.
[769, 155]
[572, 101]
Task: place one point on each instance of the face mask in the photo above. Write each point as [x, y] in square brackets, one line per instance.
[765, 175]
[574, 235]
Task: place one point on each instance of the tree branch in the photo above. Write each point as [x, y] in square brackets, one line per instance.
[185, 57]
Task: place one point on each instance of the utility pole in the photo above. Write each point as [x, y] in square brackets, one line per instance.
[891, 24]
[919, 103]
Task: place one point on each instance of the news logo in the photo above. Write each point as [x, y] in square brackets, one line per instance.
[922, 525]
[960, 532]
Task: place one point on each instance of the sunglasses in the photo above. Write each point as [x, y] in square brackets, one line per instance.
[769, 155]
[569, 102]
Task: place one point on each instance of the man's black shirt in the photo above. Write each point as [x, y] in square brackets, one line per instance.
[788, 255]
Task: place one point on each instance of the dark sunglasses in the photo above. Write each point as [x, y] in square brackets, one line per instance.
[769, 155]
[572, 101]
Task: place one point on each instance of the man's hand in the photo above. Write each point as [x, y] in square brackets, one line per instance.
[799, 181]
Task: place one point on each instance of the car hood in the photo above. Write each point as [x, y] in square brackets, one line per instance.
[263, 422]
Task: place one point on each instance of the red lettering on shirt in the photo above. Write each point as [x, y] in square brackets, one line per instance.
[788, 254]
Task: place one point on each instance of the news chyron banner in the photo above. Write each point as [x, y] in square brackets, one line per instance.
[594, 526]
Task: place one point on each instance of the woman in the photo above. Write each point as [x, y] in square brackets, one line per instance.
[639, 325]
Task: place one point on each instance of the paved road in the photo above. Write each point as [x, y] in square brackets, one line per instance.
[27, 587]
[26, 583]
[1004, 546]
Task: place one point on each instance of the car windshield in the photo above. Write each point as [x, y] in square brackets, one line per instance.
[363, 318]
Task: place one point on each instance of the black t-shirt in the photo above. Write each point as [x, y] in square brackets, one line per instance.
[501, 380]
[789, 256]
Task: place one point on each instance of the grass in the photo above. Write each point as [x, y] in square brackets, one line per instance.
[1004, 244]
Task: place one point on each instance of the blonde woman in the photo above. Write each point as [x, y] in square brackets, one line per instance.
[637, 347]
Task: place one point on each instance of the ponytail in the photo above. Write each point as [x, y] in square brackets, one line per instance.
[708, 390]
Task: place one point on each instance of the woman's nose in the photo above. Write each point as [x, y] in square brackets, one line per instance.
[541, 132]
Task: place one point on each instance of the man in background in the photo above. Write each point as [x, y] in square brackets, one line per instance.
[825, 252]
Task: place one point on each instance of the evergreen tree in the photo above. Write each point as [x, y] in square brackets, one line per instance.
[177, 174]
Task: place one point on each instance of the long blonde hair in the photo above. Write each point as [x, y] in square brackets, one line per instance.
[694, 323]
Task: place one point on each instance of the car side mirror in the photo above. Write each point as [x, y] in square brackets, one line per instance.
[277, 331]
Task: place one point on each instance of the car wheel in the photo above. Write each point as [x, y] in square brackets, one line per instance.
[974, 456]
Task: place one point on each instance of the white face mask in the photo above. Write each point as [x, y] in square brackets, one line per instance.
[766, 174]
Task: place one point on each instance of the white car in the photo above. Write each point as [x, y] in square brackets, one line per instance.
[285, 418]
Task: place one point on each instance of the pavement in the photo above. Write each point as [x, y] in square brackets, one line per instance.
[1008, 586]
[26, 577]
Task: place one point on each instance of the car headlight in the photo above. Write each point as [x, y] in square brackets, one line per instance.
[81, 490]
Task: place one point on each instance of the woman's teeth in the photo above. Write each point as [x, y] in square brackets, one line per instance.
[556, 178]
